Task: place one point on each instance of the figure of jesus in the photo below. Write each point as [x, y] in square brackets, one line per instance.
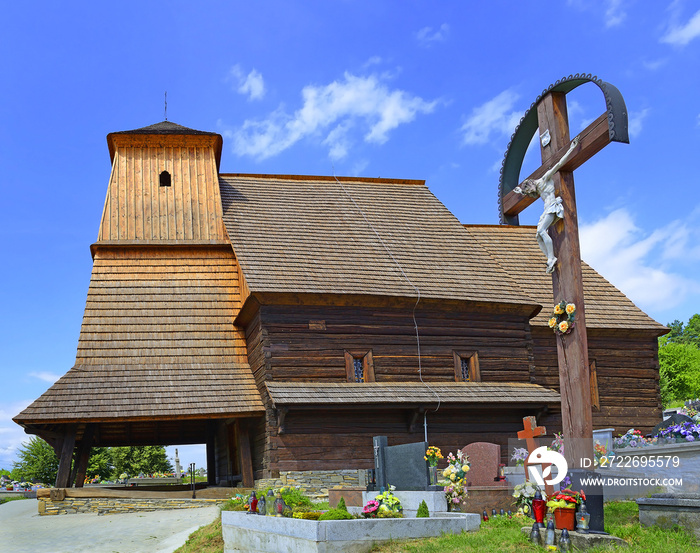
[553, 208]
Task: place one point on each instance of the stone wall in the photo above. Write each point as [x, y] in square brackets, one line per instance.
[316, 483]
[109, 506]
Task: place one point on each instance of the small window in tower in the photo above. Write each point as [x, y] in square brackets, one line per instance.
[467, 366]
[359, 366]
[165, 178]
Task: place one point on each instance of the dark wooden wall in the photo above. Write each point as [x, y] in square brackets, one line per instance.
[627, 367]
[287, 344]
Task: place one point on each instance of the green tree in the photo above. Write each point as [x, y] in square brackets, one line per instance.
[139, 459]
[680, 372]
[100, 463]
[684, 334]
[37, 462]
[679, 361]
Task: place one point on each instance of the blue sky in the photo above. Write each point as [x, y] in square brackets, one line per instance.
[401, 89]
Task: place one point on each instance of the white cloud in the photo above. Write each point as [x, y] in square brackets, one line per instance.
[251, 84]
[11, 435]
[427, 36]
[364, 103]
[615, 13]
[496, 116]
[645, 266]
[680, 35]
[46, 376]
[636, 120]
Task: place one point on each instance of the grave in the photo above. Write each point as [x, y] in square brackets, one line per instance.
[668, 510]
[247, 534]
[486, 493]
[402, 466]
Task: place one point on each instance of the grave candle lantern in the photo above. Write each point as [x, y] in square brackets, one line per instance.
[270, 503]
[583, 518]
[539, 507]
[279, 505]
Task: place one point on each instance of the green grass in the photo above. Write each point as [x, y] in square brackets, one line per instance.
[6, 499]
[502, 535]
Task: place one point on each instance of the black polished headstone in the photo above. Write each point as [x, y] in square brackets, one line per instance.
[379, 444]
[406, 467]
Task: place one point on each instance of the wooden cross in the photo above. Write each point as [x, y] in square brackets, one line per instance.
[530, 432]
[567, 282]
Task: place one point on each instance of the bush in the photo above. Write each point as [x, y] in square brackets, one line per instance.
[336, 514]
[423, 510]
[308, 515]
[341, 505]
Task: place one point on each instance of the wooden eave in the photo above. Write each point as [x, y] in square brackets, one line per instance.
[156, 244]
[117, 140]
[402, 395]
[257, 299]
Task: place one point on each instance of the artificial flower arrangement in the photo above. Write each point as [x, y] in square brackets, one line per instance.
[524, 494]
[562, 320]
[454, 485]
[632, 438]
[566, 499]
[520, 454]
[385, 505]
[558, 443]
[683, 432]
[433, 455]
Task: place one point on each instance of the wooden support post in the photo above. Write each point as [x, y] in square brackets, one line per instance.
[66, 457]
[244, 454]
[83, 456]
[211, 454]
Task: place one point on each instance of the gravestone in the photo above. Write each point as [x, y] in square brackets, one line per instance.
[484, 458]
[676, 418]
[403, 466]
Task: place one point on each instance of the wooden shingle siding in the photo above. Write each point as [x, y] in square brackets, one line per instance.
[153, 305]
[157, 340]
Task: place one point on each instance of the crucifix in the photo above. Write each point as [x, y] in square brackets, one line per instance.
[560, 156]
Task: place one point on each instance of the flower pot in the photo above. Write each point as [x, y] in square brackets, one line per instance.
[565, 518]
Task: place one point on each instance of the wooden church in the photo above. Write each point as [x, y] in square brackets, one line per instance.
[286, 320]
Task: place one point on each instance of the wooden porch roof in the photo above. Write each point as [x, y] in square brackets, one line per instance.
[393, 394]
[100, 393]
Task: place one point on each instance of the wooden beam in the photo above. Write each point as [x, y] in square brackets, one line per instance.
[567, 284]
[591, 140]
[83, 455]
[211, 454]
[244, 454]
[64, 463]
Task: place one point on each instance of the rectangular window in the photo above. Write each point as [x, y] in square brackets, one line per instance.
[359, 366]
[467, 366]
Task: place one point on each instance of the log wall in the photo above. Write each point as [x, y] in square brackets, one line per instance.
[627, 367]
[305, 343]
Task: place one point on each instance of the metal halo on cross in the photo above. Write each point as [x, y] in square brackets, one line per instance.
[616, 113]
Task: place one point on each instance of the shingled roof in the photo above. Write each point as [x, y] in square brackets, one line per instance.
[157, 340]
[317, 235]
[516, 250]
